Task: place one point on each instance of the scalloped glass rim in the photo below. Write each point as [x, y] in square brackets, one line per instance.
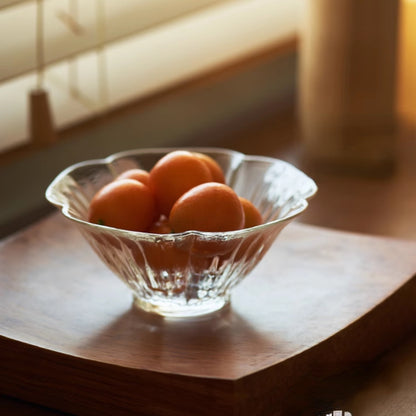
[109, 161]
[191, 273]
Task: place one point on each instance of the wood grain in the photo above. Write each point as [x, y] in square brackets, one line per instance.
[321, 302]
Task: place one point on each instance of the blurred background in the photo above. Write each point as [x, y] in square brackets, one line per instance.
[329, 86]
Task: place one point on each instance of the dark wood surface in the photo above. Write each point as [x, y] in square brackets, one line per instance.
[383, 206]
[322, 302]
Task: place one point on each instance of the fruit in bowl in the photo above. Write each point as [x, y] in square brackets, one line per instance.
[185, 190]
[181, 227]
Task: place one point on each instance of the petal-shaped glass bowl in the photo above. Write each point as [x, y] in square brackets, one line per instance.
[190, 273]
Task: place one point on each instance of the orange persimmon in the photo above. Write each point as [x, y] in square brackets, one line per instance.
[210, 206]
[126, 203]
[173, 175]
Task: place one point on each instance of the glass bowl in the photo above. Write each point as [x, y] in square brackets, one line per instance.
[190, 273]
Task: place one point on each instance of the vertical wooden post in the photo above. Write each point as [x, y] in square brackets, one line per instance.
[347, 83]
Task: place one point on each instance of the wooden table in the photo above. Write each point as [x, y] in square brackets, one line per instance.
[382, 384]
[318, 310]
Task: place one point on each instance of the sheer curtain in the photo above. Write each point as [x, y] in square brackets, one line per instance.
[93, 55]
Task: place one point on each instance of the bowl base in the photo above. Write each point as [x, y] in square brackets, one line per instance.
[181, 310]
